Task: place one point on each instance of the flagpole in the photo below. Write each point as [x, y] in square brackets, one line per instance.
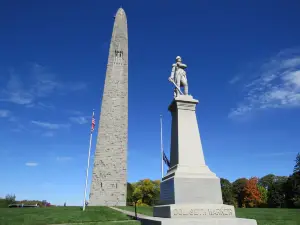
[161, 148]
[88, 165]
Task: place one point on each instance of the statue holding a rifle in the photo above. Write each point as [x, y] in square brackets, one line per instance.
[178, 77]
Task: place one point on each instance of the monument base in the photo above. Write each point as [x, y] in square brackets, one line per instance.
[193, 221]
[195, 214]
[180, 190]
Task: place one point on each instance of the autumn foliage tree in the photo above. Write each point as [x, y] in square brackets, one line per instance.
[252, 193]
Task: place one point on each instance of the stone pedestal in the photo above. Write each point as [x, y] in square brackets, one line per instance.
[190, 191]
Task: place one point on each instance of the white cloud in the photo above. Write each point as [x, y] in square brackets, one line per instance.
[52, 126]
[39, 84]
[293, 62]
[31, 164]
[48, 134]
[79, 119]
[63, 158]
[274, 154]
[4, 113]
[19, 128]
[41, 105]
[276, 85]
[234, 80]
[76, 86]
[74, 112]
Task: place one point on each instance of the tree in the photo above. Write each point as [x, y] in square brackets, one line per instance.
[44, 203]
[238, 190]
[297, 166]
[137, 194]
[156, 196]
[129, 193]
[264, 196]
[252, 194]
[10, 199]
[292, 191]
[144, 192]
[227, 192]
[276, 194]
[267, 181]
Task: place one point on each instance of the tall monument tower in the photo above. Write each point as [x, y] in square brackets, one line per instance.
[109, 181]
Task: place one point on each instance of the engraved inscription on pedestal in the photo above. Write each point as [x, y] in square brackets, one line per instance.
[200, 212]
[167, 191]
[194, 211]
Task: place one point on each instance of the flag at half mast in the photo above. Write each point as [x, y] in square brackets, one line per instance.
[166, 160]
[93, 122]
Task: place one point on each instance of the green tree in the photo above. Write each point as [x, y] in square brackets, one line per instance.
[239, 191]
[297, 166]
[267, 181]
[137, 195]
[276, 193]
[144, 192]
[10, 199]
[292, 191]
[3, 203]
[263, 195]
[227, 192]
[156, 192]
[129, 193]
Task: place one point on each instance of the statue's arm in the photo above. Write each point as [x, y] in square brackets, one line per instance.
[173, 71]
[181, 65]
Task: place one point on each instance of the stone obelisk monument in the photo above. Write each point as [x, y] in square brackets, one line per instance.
[190, 191]
[109, 181]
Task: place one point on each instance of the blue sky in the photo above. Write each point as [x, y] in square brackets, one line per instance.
[243, 65]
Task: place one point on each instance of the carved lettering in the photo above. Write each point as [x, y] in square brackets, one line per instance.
[175, 212]
[196, 212]
[203, 212]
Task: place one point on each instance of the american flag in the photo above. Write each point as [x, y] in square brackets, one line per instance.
[166, 160]
[93, 122]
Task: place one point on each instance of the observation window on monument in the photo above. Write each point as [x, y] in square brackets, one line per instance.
[119, 53]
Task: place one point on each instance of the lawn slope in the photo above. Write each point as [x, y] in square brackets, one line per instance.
[59, 215]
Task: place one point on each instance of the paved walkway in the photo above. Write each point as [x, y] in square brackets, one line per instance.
[129, 213]
[116, 221]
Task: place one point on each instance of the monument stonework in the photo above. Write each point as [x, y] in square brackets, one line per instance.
[109, 180]
[190, 191]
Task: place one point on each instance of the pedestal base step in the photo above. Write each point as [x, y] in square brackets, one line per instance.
[191, 221]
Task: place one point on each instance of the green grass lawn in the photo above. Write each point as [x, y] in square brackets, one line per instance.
[129, 222]
[61, 215]
[105, 216]
[261, 215]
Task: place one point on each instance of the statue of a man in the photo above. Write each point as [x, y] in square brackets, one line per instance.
[178, 77]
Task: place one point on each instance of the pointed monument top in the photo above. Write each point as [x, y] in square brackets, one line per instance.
[120, 11]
